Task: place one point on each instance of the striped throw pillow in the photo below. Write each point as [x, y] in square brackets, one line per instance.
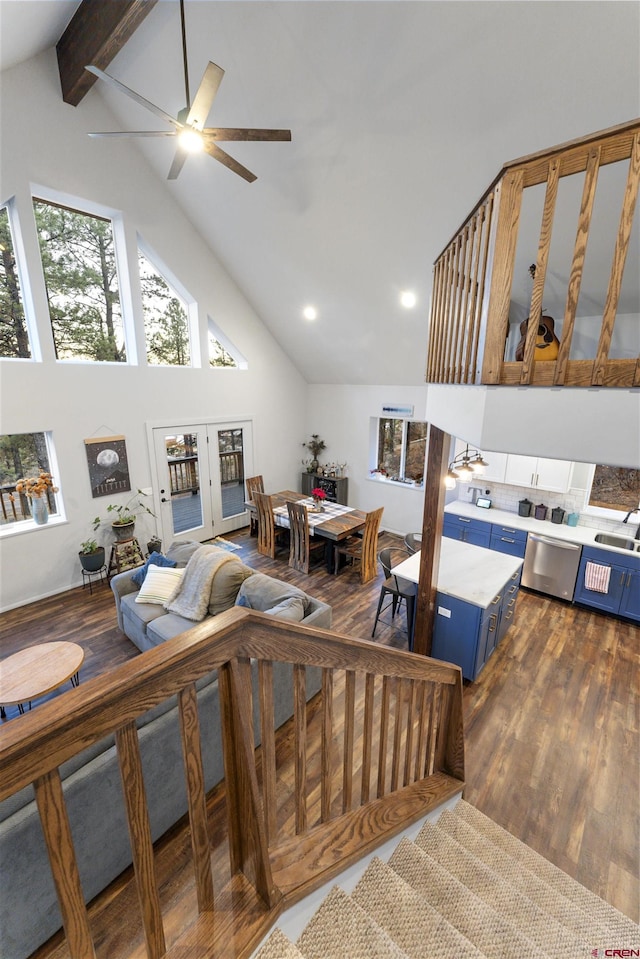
[159, 585]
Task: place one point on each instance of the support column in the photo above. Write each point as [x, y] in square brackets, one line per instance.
[432, 519]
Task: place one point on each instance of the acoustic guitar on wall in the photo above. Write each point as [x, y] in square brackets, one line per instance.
[547, 343]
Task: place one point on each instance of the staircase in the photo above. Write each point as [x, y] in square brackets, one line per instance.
[464, 889]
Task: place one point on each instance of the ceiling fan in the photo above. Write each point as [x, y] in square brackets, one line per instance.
[189, 127]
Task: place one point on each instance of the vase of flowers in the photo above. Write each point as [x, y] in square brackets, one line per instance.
[315, 446]
[318, 496]
[36, 489]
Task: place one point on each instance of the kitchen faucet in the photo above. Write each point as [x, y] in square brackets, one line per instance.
[626, 520]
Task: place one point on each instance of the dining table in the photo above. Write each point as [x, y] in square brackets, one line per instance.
[334, 522]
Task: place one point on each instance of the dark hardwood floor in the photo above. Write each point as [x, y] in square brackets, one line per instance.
[551, 725]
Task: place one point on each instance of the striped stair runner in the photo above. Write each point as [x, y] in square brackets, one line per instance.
[465, 889]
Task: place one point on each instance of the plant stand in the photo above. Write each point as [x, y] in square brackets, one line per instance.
[125, 554]
[89, 574]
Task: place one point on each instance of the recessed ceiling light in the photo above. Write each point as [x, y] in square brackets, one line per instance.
[408, 299]
[310, 313]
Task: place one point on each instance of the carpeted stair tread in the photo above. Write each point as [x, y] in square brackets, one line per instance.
[340, 928]
[569, 913]
[412, 923]
[618, 926]
[507, 900]
[278, 946]
[491, 933]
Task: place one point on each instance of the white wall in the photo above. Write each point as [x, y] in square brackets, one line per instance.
[77, 401]
[585, 425]
[341, 415]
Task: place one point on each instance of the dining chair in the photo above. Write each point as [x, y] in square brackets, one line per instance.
[270, 536]
[254, 484]
[413, 542]
[302, 546]
[400, 590]
[361, 550]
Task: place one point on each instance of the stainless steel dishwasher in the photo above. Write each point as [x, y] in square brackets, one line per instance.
[551, 565]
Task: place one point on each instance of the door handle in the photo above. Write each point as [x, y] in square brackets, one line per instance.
[164, 500]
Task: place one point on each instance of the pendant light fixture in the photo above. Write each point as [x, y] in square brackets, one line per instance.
[464, 467]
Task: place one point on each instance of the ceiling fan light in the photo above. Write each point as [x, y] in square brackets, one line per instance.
[191, 141]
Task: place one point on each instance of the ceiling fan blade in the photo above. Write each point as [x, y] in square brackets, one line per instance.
[218, 154]
[178, 162]
[137, 133]
[134, 96]
[205, 95]
[242, 133]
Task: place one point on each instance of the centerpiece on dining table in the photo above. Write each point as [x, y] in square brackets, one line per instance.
[318, 495]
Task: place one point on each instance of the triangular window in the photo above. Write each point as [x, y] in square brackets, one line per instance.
[166, 318]
[222, 353]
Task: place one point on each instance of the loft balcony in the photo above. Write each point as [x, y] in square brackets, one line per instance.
[555, 237]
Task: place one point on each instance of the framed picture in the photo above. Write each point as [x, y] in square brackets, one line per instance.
[108, 465]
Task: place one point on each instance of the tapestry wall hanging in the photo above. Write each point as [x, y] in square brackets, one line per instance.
[108, 465]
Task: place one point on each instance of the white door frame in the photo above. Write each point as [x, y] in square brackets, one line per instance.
[210, 462]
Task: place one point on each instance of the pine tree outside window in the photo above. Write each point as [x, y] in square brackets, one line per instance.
[401, 449]
[25, 455]
[14, 335]
[166, 318]
[222, 353]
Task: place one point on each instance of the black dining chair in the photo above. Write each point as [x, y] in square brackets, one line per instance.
[399, 590]
[413, 542]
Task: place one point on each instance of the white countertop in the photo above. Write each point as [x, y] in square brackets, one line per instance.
[583, 535]
[470, 573]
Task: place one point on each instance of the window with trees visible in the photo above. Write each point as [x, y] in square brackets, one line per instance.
[79, 262]
[24, 455]
[14, 336]
[221, 355]
[615, 487]
[166, 318]
[401, 449]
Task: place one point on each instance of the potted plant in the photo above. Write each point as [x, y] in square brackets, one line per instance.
[315, 445]
[124, 521]
[91, 556]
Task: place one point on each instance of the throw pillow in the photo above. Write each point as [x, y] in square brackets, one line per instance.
[291, 609]
[262, 592]
[226, 583]
[155, 559]
[159, 585]
[182, 550]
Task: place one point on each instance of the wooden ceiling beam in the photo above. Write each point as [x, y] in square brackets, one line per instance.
[97, 31]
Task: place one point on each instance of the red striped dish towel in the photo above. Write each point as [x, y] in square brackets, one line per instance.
[596, 577]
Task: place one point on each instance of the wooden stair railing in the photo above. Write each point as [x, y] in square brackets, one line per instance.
[473, 276]
[391, 749]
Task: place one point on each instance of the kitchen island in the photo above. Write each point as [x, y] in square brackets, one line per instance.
[475, 601]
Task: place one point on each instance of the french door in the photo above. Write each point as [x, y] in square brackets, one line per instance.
[200, 474]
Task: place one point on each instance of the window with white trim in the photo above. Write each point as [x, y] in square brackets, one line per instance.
[79, 262]
[14, 334]
[30, 458]
[222, 353]
[166, 318]
[401, 449]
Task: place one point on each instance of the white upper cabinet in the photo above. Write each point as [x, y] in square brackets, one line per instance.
[538, 473]
[496, 467]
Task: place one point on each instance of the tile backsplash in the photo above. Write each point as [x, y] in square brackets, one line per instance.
[507, 497]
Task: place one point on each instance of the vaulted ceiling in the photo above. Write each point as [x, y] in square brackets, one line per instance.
[401, 114]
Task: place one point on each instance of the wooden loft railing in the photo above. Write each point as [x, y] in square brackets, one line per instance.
[473, 276]
[391, 750]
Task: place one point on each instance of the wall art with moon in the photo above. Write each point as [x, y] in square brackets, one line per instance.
[108, 465]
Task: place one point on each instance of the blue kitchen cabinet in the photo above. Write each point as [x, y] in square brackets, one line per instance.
[466, 634]
[467, 530]
[630, 602]
[506, 539]
[623, 593]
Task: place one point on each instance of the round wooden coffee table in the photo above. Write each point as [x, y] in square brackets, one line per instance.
[37, 670]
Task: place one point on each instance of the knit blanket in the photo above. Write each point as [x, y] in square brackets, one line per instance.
[191, 598]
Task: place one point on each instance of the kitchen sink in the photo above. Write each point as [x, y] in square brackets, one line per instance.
[621, 542]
